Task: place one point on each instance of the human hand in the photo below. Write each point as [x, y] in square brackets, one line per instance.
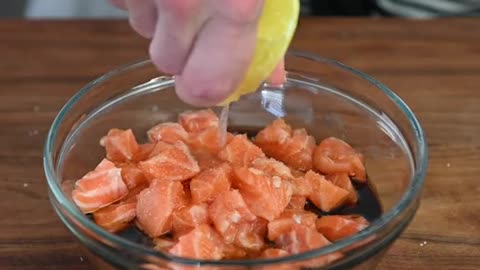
[207, 44]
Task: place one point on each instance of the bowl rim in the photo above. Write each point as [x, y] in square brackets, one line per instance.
[413, 190]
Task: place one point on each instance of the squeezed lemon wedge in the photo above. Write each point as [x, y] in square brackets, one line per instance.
[275, 31]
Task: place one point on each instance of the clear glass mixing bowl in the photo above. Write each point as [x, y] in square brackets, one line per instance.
[322, 95]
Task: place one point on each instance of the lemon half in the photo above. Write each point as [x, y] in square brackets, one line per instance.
[275, 31]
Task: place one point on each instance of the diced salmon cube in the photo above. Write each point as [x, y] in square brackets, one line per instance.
[333, 155]
[120, 145]
[167, 132]
[266, 196]
[163, 244]
[227, 212]
[195, 121]
[336, 227]
[251, 235]
[206, 160]
[272, 138]
[156, 204]
[297, 173]
[99, 188]
[295, 148]
[277, 253]
[115, 217]
[301, 187]
[240, 151]
[144, 151]
[297, 202]
[325, 195]
[201, 243]
[132, 176]
[302, 238]
[211, 182]
[160, 147]
[274, 253]
[298, 151]
[231, 251]
[342, 180]
[149, 266]
[118, 216]
[272, 167]
[174, 163]
[208, 140]
[288, 220]
[187, 218]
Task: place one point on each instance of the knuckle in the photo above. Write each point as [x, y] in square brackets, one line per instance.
[181, 8]
[245, 11]
[164, 62]
[142, 26]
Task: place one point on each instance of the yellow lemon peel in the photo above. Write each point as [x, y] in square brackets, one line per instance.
[275, 31]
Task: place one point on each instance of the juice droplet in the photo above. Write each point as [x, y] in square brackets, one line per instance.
[223, 124]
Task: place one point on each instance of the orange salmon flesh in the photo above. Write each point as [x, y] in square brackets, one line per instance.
[201, 196]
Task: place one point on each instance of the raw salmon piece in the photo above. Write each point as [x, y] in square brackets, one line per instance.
[277, 253]
[301, 187]
[231, 251]
[163, 244]
[211, 182]
[187, 218]
[208, 140]
[167, 132]
[274, 253]
[156, 204]
[342, 180]
[336, 227]
[325, 195]
[99, 188]
[333, 155]
[201, 243]
[227, 211]
[297, 173]
[198, 120]
[295, 148]
[160, 147]
[302, 238]
[144, 151]
[118, 216]
[298, 151]
[120, 145]
[266, 196]
[206, 160]
[272, 167]
[273, 137]
[173, 163]
[297, 202]
[132, 176]
[287, 221]
[149, 266]
[251, 235]
[240, 151]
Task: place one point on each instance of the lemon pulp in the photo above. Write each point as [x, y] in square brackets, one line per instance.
[275, 31]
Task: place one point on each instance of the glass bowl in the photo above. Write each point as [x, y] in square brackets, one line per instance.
[322, 95]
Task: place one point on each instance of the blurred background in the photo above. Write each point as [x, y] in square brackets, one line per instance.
[421, 9]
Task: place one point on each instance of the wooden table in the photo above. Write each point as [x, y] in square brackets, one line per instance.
[433, 65]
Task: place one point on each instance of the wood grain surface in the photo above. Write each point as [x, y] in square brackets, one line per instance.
[433, 65]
